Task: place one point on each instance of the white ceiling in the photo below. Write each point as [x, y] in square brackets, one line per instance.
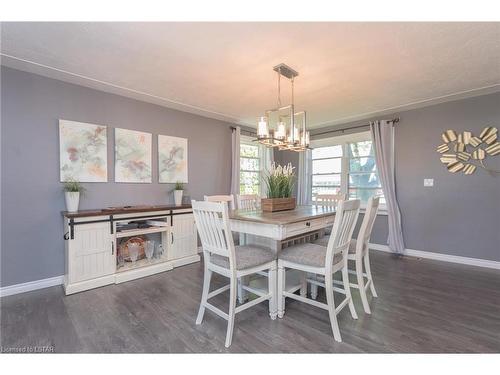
[348, 71]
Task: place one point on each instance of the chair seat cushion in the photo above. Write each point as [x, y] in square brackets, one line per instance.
[323, 241]
[307, 254]
[247, 256]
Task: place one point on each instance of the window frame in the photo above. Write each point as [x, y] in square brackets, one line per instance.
[344, 141]
[248, 141]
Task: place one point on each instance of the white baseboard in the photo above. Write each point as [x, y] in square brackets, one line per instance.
[442, 257]
[59, 280]
[31, 285]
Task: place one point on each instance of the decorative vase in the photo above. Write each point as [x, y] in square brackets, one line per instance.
[277, 204]
[178, 197]
[72, 200]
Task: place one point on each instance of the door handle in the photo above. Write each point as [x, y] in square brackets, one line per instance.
[112, 248]
[172, 241]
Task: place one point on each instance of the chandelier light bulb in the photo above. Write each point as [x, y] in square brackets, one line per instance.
[262, 129]
[281, 131]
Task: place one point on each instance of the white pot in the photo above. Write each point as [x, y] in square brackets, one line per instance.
[72, 199]
[178, 197]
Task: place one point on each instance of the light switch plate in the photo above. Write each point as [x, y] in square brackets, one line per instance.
[428, 182]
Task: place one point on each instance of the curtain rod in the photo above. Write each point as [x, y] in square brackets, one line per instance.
[394, 121]
[243, 130]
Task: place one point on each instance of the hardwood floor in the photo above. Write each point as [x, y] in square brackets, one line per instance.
[423, 307]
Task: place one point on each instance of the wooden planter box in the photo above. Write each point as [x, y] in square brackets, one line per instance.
[277, 204]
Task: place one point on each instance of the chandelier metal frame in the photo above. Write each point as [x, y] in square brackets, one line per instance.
[293, 135]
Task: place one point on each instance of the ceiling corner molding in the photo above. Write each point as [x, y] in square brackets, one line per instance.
[413, 105]
[18, 63]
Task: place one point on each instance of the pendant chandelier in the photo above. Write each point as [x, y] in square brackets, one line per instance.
[289, 131]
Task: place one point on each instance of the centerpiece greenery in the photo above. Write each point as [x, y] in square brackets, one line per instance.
[280, 183]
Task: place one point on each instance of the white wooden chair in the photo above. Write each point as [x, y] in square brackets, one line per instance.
[239, 237]
[248, 202]
[359, 253]
[222, 198]
[330, 201]
[223, 257]
[324, 261]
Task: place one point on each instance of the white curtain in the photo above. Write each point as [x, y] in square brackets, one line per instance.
[304, 178]
[266, 161]
[382, 133]
[235, 161]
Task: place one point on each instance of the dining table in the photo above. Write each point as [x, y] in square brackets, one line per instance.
[275, 230]
[271, 229]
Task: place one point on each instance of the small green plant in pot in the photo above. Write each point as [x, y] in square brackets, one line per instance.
[178, 191]
[72, 191]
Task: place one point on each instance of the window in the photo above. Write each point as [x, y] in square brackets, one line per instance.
[346, 164]
[363, 177]
[327, 169]
[249, 168]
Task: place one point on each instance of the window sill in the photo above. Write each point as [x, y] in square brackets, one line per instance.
[381, 211]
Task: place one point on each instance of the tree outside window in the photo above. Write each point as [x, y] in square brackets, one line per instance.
[249, 169]
[348, 167]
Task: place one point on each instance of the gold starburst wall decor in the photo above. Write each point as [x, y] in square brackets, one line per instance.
[464, 152]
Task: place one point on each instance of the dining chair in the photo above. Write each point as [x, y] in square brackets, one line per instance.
[248, 202]
[323, 261]
[222, 198]
[221, 256]
[359, 253]
[330, 201]
[237, 237]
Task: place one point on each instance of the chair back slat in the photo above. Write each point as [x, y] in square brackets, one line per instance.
[328, 200]
[365, 230]
[222, 198]
[212, 222]
[248, 202]
[346, 217]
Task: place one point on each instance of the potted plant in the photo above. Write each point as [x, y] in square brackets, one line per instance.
[178, 191]
[280, 182]
[72, 190]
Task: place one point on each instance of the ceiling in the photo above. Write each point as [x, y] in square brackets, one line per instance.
[348, 71]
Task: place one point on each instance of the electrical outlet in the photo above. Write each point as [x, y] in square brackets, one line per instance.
[428, 182]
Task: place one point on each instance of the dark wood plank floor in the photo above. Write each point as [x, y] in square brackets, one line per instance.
[423, 307]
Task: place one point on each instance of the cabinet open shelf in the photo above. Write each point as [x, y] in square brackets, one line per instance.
[138, 232]
[140, 263]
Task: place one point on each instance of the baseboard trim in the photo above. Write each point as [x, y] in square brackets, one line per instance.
[31, 285]
[442, 257]
[59, 280]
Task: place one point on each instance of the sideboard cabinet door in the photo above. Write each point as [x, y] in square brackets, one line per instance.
[91, 253]
[183, 237]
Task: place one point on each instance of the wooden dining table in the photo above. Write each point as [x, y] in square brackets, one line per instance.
[274, 230]
[271, 229]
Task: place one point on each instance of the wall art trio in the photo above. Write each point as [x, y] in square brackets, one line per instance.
[83, 155]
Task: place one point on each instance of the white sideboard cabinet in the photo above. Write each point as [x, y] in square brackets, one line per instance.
[93, 237]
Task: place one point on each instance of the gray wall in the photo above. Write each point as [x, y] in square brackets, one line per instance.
[460, 215]
[32, 244]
